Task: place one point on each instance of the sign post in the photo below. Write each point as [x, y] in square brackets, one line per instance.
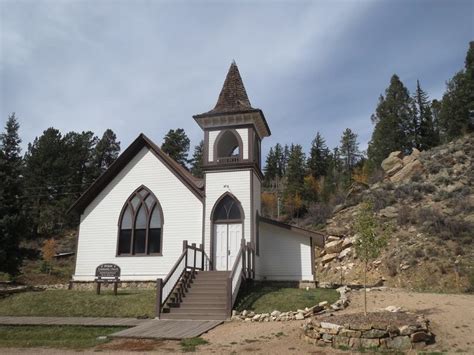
[106, 273]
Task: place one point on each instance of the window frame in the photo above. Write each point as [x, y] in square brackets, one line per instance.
[149, 213]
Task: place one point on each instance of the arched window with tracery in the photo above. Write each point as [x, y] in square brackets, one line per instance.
[141, 225]
[228, 210]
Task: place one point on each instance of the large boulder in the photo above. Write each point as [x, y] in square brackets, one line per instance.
[393, 159]
[409, 170]
[333, 247]
[328, 258]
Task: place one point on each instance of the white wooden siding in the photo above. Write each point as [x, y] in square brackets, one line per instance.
[244, 135]
[239, 185]
[284, 255]
[212, 139]
[182, 212]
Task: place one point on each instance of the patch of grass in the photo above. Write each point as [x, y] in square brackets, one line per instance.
[279, 334]
[60, 337]
[189, 345]
[72, 303]
[262, 298]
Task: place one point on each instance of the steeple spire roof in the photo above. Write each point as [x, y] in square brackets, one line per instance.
[233, 107]
[233, 97]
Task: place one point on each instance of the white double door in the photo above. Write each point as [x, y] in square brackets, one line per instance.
[227, 240]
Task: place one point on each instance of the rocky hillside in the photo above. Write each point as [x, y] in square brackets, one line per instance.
[428, 199]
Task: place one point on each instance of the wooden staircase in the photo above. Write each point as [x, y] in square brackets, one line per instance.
[190, 291]
[201, 295]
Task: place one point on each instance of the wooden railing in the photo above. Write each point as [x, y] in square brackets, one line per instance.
[243, 269]
[192, 258]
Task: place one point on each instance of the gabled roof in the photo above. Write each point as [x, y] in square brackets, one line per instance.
[319, 238]
[192, 183]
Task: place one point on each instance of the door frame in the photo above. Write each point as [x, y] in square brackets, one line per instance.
[225, 221]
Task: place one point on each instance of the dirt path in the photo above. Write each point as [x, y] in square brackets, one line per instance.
[452, 318]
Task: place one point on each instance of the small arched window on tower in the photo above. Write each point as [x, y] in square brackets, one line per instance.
[141, 225]
[228, 147]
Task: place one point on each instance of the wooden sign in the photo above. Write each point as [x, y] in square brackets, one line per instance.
[105, 273]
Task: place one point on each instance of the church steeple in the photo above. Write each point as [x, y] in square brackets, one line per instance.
[233, 107]
[233, 97]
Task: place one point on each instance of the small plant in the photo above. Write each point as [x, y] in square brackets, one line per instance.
[189, 345]
[49, 251]
[369, 244]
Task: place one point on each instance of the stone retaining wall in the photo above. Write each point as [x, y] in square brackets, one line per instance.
[91, 285]
[357, 336]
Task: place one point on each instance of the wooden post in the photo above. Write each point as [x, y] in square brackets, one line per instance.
[194, 264]
[202, 256]
[185, 248]
[159, 296]
[98, 287]
[244, 258]
[115, 286]
[229, 295]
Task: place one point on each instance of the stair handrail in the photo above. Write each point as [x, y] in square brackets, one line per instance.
[188, 260]
[237, 274]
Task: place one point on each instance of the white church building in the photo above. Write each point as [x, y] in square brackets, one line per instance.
[140, 211]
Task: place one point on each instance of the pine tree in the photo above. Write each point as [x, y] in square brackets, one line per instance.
[295, 172]
[106, 152]
[176, 145]
[197, 160]
[271, 168]
[393, 121]
[424, 133]
[11, 198]
[458, 101]
[281, 160]
[349, 150]
[79, 149]
[318, 157]
[46, 178]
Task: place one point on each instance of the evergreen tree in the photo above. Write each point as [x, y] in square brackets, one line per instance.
[271, 168]
[46, 178]
[393, 122]
[458, 101]
[281, 160]
[318, 157]
[349, 150]
[11, 195]
[197, 160]
[425, 136]
[295, 172]
[79, 153]
[176, 145]
[284, 158]
[106, 152]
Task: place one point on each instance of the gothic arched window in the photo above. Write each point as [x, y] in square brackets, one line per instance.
[140, 225]
[227, 209]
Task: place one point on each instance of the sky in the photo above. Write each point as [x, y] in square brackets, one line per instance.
[147, 66]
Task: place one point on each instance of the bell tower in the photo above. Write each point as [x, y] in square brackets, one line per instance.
[233, 132]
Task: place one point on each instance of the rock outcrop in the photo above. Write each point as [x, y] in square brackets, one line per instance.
[398, 168]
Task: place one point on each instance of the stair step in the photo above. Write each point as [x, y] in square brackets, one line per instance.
[201, 305]
[195, 316]
[200, 286]
[205, 298]
[212, 310]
